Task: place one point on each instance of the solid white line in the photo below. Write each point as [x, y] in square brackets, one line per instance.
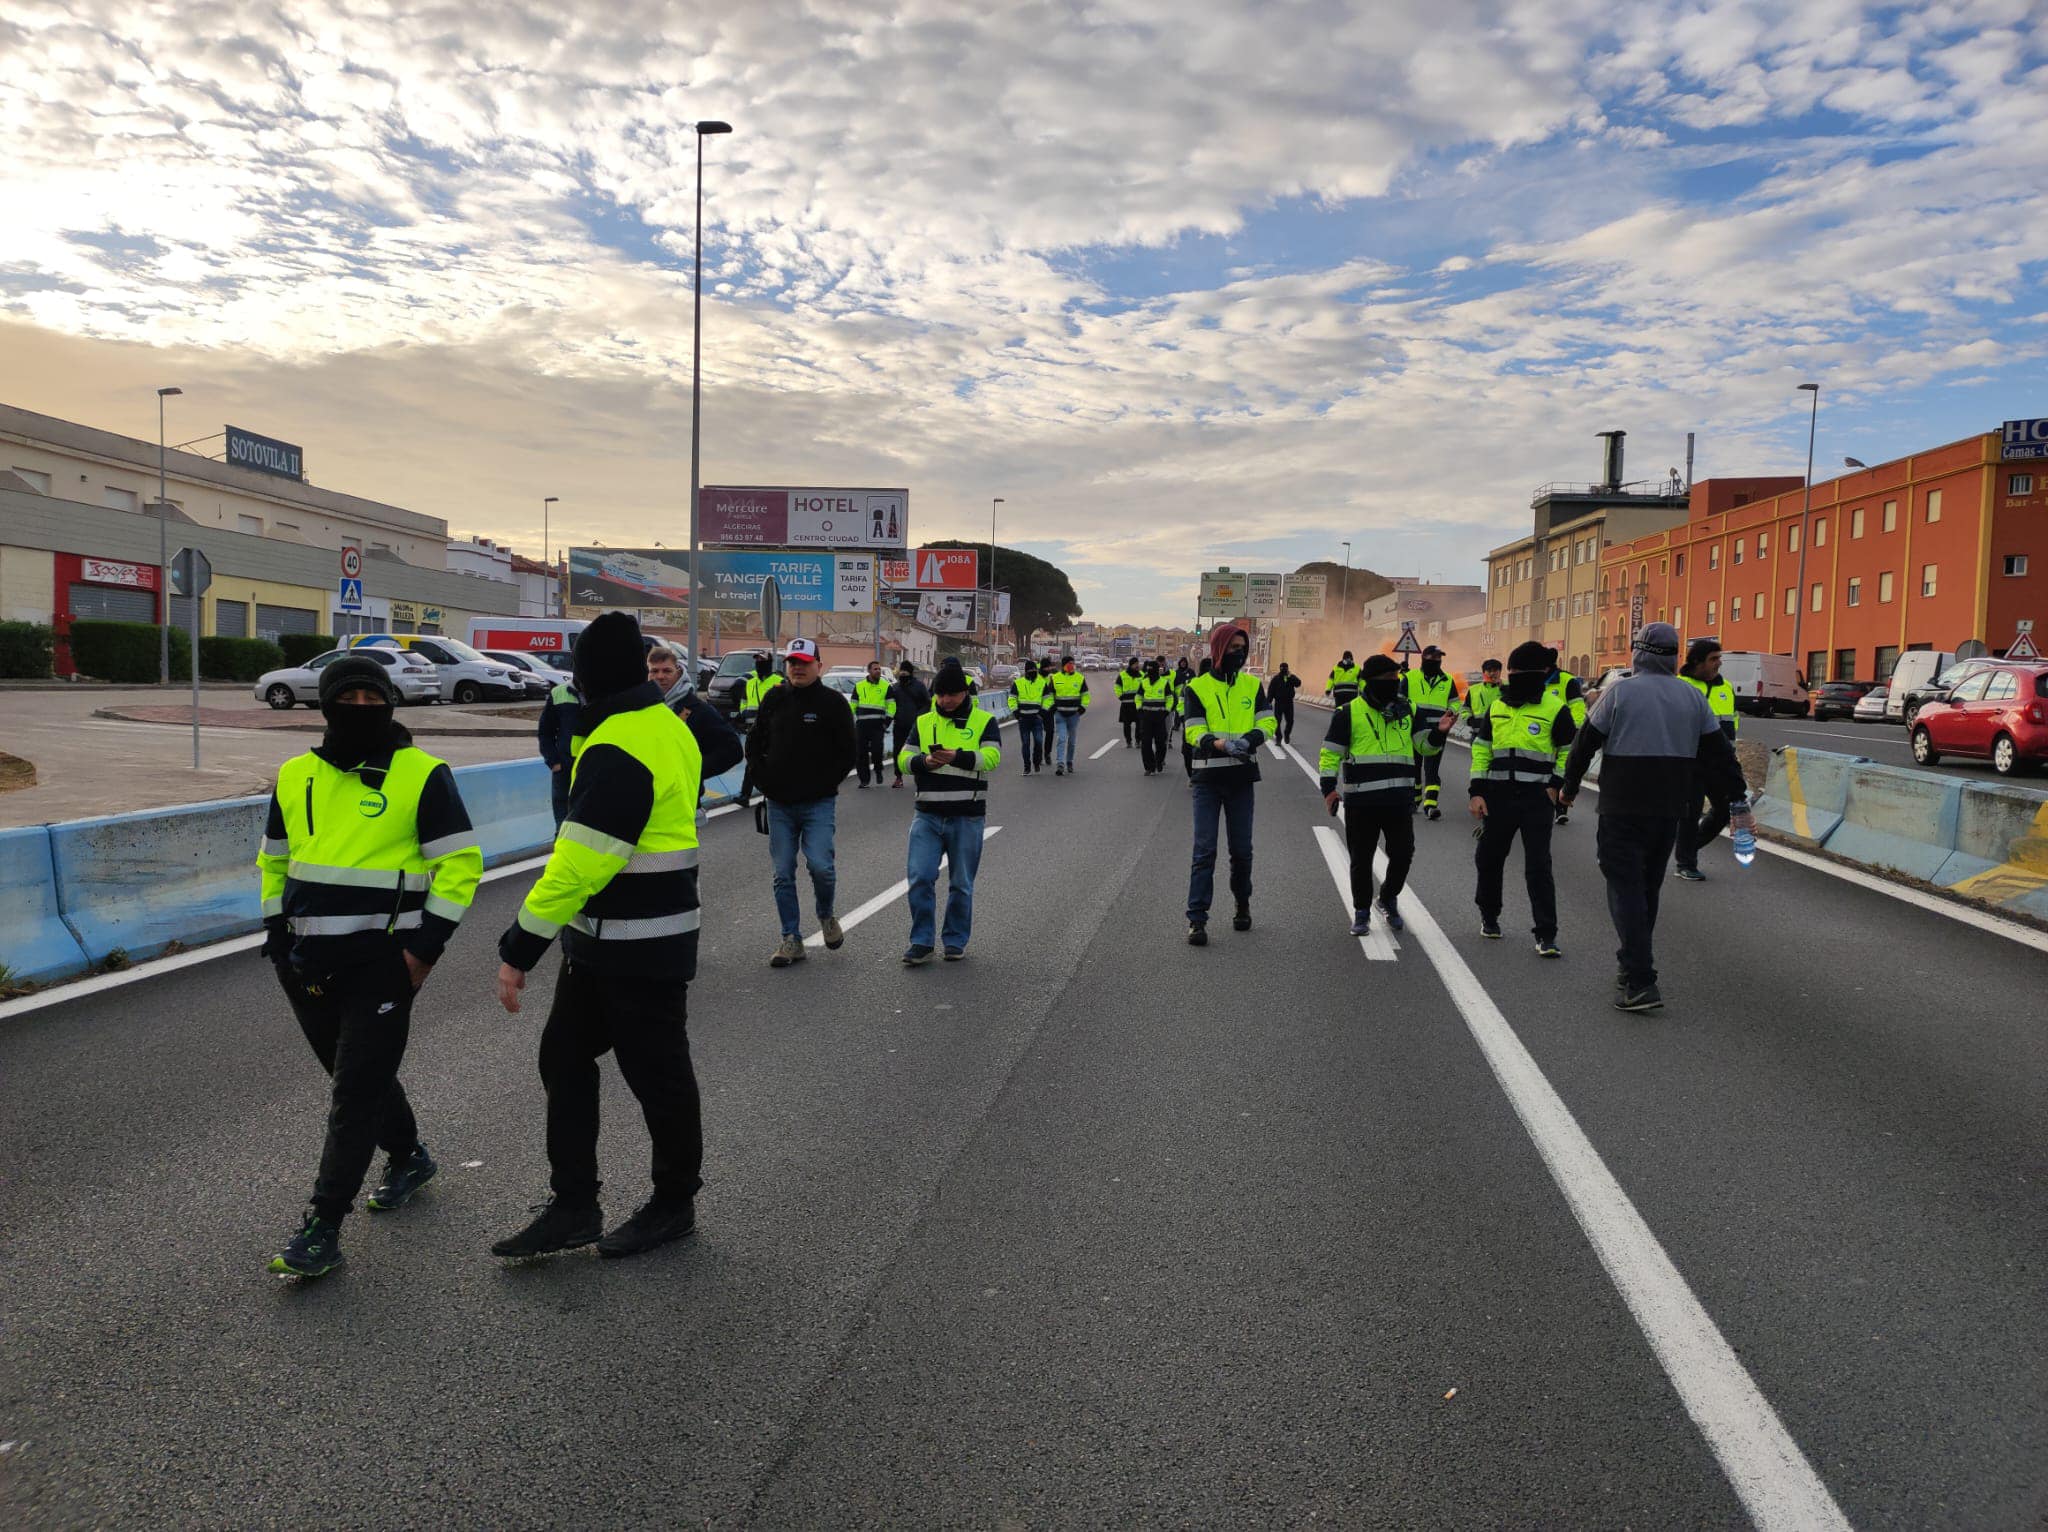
[1765, 1467]
[1313, 775]
[1379, 945]
[882, 901]
[1107, 746]
[1277, 754]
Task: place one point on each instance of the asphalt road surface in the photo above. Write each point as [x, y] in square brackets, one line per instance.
[1092, 1228]
[1885, 743]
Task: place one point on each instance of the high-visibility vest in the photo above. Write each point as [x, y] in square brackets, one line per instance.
[603, 895]
[1069, 692]
[1027, 694]
[1517, 744]
[1343, 682]
[1379, 765]
[1127, 685]
[1559, 687]
[961, 785]
[756, 689]
[1155, 694]
[1480, 699]
[1213, 708]
[1721, 701]
[350, 858]
[1430, 700]
[873, 701]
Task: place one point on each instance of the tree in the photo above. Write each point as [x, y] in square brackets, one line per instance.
[1041, 595]
[1363, 586]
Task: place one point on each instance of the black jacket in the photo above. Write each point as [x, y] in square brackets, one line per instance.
[803, 745]
[912, 698]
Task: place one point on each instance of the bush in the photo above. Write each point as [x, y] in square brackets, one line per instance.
[126, 651]
[301, 647]
[25, 650]
[238, 659]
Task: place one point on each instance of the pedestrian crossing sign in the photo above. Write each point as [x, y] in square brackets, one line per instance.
[1406, 644]
[2023, 648]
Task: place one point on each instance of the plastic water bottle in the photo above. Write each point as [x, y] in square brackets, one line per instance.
[1745, 840]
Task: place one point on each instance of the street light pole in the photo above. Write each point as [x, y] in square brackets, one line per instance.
[1344, 601]
[546, 557]
[992, 588]
[704, 129]
[1806, 506]
[163, 548]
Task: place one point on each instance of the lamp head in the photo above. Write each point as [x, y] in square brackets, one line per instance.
[705, 128]
[165, 393]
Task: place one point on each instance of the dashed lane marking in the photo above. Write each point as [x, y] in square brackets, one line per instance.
[1107, 746]
[1379, 945]
[883, 900]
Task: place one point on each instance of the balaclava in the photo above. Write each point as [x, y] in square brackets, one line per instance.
[355, 732]
[1381, 678]
[1528, 671]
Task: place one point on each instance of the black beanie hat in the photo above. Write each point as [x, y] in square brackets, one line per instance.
[1377, 665]
[1699, 649]
[355, 670]
[609, 658]
[1531, 656]
[951, 678]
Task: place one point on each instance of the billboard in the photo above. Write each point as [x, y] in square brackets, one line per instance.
[265, 454]
[946, 611]
[1263, 593]
[1223, 595]
[769, 516]
[934, 569]
[1301, 596]
[659, 578]
[2023, 440]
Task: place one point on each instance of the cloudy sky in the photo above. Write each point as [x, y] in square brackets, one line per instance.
[1185, 282]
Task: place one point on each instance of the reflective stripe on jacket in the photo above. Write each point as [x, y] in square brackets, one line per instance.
[873, 701]
[1431, 700]
[1069, 692]
[1521, 744]
[960, 786]
[1370, 753]
[1720, 702]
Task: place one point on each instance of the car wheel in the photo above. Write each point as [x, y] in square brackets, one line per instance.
[1912, 711]
[468, 691]
[2005, 757]
[279, 697]
[1923, 749]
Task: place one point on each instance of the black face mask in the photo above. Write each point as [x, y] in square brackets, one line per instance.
[1382, 690]
[1523, 686]
[1233, 661]
[1432, 668]
[355, 732]
[762, 668]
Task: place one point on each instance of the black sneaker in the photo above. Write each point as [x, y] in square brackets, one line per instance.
[1059, 771]
[1564, 816]
[312, 1252]
[1361, 923]
[1198, 934]
[1644, 999]
[1546, 947]
[913, 955]
[1621, 981]
[1392, 916]
[955, 954]
[557, 1226]
[1489, 927]
[402, 1177]
[658, 1221]
[1691, 875]
[1242, 920]
[1432, 812]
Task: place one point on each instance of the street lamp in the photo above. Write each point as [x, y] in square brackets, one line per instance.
[998, 500]
[163, 549]
[1344, 601]
[704, 130]
[546, 555]
[1799, 594]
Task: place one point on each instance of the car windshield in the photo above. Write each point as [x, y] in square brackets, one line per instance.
[736, 664]
[460, 650]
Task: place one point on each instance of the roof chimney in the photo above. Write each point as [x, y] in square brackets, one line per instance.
[1610, 461]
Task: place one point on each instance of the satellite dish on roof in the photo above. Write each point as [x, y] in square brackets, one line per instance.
[1972, 649]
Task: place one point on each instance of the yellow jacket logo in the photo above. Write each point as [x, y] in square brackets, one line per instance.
[372, 805]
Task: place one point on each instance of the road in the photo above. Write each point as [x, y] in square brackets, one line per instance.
[1885, 743]
[1092, 1228]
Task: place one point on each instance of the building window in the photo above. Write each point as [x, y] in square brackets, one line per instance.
[1763, 545]
[1891, 515]
[2020, 484]
[1791, 600]
[1887, 660]
[2015, 563]
[116, 499]
[1735, 609]
[1930, 579]
[1791, 539]
[1759, 607]
[1677, 618]
[1714, 556]
[1933, 506]
[1814, 597]
[1845, 664]
[250, 524]
[1678, 567]
[36, 479]
[1855, 593]
[1816, 666]
[1738, 550]
[1856, 522]
[1710, 616]
[1884, 588]
[1820, 532]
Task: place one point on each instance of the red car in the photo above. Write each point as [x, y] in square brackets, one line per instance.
[1998, 713]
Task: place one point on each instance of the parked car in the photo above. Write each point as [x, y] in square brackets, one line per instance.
[1870, 707]
[415, 679]
[1764, 684]
[1999, 713]
[728, 682]
[842, 681]
[466, 676]
[1914, 671]
[1934, 688]
[1608, 677]
[1838, 699]
[534, 674]
[554, 637]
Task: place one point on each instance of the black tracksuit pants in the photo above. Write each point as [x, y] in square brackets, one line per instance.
[642, 1022]
[1697, 830]
[1429, 778]
[1283, 717]
[1634, 850]
[1365, 825]
[1526, 811]
[1152, 738]
[871, 739]
[357, 1019]
[1127, 715]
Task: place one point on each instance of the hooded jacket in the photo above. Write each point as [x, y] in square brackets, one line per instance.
[1654, 731]
[803, 744]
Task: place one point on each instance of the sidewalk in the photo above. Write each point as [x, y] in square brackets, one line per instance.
[425, 723]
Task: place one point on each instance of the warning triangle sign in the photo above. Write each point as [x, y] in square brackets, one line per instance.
[2023, 648]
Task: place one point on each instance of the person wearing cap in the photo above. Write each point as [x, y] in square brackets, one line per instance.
[874, 705]
[1343, 680]
[956, 750]
[1281, 688]
[1437, 700]
[912, 698]
[1127, 683]
[1702, 671]
[1155, 716]
[753, 692]
[368, 865]
[620, 890]
[1485, 691]
[1368, 763]
[1518, 746]
[1027, 703]
[802, 748]
[1659, 741]
[1571, 691]
[1069, 692]
[1228, 718]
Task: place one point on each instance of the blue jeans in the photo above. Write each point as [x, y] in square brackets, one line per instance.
[958, 839]
[1234, 806]
[810, 826]
[1069, 725]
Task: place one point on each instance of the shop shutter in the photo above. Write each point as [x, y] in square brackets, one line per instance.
[231, 619]
[181, 613]
[112, 603]
[272, 622]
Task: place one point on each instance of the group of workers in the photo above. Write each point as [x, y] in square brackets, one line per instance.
[369, 860]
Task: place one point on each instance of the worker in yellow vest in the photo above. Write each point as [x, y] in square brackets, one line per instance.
[1702, 669]
[1517, 750]
[1368, 761]
[1434, 694]
[1571, 691]
[1228, 717]
[1343, 681]
[1155, 716]
[1028, 707]
[1126, 684]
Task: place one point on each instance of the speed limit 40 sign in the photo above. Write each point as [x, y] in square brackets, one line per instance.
[351, 562]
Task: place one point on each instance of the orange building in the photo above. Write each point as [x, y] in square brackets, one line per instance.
[1923, 552]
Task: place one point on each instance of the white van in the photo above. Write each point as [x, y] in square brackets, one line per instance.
[1764, 683]
[1914, 670]
[548, 637]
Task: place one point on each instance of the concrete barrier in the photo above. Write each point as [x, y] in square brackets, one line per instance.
[1898, 819]
[2001, 848]
[1805, 792]
[35, 944]
[138, 882]
[509, 803]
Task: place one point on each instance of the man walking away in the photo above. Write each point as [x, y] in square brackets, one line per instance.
[368, 865]
[874, 705]
[1127, 683]
[1069, 702]
[1027, 702]
[558, 729]
[1659, 739]
[1282, 688]
[620, 889]
[800, 751]
[911, 700]
[1155, 714]
[1228, 718]
[1517, 745]
[717, 741]
[1343, 681]
[1368, 760]
[1703, 670]
[1433, 694]
[956, 750]
[1571, 691]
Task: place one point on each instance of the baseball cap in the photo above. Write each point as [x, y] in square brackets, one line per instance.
[801, 649]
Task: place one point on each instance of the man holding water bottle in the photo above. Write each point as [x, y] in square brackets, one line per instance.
[1659, 741]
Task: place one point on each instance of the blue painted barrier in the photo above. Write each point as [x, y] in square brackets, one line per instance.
[138, 882]
[510, 806]
[1805, 793]
[2001, 848]
[35, 944]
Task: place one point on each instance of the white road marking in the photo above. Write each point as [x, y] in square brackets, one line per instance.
[883, 900]
[1107, 746]
[1765, 1467]
[1277, 754]
[1379, 945]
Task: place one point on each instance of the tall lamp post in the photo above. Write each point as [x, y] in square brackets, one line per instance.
[1344, 601]
[1806, 506]
[704, 130]
[547, 557]
[163, 548]
[998, 500]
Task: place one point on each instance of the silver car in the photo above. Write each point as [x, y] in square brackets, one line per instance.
[527, 669]
[415, 679]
